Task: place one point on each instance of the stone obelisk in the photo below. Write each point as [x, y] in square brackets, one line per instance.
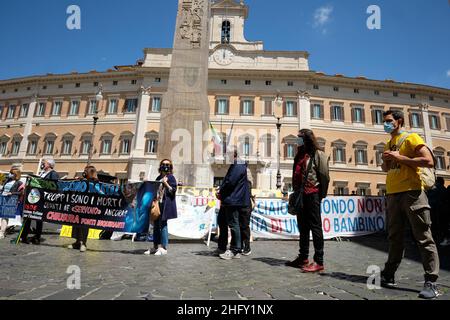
[185, 109]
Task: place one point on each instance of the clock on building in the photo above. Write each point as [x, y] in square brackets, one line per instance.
[224, 56]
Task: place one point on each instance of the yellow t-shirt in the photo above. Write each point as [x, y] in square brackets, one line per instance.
[401, 178]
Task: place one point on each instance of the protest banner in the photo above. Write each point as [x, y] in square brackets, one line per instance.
[9, 207]
[66, 232]
[196, 213]
[341, 217]
[91, 204]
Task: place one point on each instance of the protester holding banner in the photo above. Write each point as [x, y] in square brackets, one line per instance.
[310, 182]
[12, 187]
[235, 196]
[81, 233]
[168, 208]
[404, 157]
[48, 173]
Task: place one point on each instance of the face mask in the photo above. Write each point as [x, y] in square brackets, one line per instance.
[42, 166]
[300, 142]
[165, 168]
[11, 176]
[389, 127]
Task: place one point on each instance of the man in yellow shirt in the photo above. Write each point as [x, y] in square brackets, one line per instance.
[404, 155]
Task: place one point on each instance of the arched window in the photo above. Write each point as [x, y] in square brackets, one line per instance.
[49, 144]
[290, 146]
[33, 140]
[126, 139]
[439, 153]
[268, 145]
[339, 152]
[151, 142]
[67, 144]
[226, 32]
[107, 143]
[379, 150]
[361, 152]
[246, 145]
[86, 140]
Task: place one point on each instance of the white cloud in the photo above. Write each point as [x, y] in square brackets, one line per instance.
[322, 16]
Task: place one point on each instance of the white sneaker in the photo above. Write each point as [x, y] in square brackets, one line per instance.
[83, 248]
[445, 243]
[2, 236]
[229, 255]
[161, 252]
[150, 252]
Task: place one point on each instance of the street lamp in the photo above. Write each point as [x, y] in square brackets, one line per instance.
[98, 99]
[279, 104]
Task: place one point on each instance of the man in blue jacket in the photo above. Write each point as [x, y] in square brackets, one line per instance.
[234, 195]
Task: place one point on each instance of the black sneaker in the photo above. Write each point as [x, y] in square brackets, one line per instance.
[25, 241]
[298, 263]
[75, 246]
[36, 241]
[388, 281]
[430, 291]
[247, 252]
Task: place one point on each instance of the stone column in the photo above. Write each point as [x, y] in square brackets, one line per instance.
[141, 123]
[28, 128]
[138, 162]
[426, 125]
[304, 109]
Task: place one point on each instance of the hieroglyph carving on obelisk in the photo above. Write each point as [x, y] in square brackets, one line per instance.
[191, 26]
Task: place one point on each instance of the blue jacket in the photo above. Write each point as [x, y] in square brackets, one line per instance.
[170, 200]
[235, 191]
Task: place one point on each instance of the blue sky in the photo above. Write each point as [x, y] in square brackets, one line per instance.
[413, 44]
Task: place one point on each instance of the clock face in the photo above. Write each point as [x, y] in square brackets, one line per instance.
[224, 56]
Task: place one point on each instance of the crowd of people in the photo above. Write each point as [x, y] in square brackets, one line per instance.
[408, 200]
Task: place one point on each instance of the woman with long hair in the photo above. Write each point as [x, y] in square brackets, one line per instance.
[80, 233]
[310, 180]
[168, 207]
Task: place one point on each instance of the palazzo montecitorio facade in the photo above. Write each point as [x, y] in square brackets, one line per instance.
[52, 115]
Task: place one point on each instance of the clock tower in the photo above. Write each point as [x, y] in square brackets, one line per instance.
[227, 30]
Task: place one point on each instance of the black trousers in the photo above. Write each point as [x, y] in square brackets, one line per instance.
[27, 227]
[244, 223]
[309, 220]
[223, 229]
[80, 234]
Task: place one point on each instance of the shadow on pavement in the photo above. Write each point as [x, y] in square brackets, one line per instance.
[272, 261]
[362, 280]
[379, 242]
[205, 253]
[344, 276]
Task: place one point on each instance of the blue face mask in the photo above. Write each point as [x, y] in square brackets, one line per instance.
[389, 127]
[300, 142]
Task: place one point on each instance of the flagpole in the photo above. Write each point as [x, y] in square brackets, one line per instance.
[221, 134]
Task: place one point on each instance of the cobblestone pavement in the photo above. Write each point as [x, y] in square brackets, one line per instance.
[191, 271]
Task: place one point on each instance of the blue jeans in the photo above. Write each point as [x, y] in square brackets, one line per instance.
[160, 234]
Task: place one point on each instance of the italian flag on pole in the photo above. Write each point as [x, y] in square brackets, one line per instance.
[216, 139]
